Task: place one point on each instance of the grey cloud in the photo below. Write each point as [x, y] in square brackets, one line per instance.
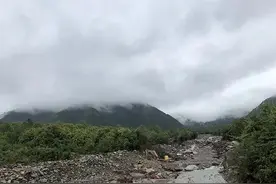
[221, 69]
[197, 21]
[235, 13]
[180, 56]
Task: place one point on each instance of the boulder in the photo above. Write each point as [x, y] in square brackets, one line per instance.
[235, 143]
[191, 168]
[150, 170]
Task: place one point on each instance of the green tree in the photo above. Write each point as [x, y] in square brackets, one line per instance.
[257, 151]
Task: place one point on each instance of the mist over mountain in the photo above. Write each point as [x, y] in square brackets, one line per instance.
[196, 58]
[130, 115]
[270, 101]
[222, 119]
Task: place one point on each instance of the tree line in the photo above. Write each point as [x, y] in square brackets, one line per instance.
[31, 142]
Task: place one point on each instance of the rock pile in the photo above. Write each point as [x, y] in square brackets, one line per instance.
[121, 166]
[177, 151]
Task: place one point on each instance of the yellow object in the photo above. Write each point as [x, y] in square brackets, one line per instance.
[166, 158]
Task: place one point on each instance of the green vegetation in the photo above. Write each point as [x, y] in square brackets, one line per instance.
[214, 129]
[256, 161]
[31, 142]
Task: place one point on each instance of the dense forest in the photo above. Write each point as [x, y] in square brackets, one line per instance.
[30, 142]
[255, 159]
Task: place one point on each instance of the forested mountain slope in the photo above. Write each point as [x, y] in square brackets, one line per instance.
[256, 159]
[132, 115]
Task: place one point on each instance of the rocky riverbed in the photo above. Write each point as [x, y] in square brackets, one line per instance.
[194, 161]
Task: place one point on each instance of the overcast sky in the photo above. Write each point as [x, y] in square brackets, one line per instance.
[202, 59]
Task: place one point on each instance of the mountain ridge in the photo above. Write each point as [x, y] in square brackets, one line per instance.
[132, 114]
[271, 101]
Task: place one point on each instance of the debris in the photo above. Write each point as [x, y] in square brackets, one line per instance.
[151, 153]
[44, 180]
[123, 166]
[137, 175]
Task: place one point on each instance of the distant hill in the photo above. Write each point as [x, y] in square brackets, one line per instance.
[215, 126]
[132, 115]
[182, 119]
[220, 120]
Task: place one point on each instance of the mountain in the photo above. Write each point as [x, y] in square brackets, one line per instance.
[131, 115]
[222, 120]
[256, 135]
[183, 120]
[215, 126]
[269, 101]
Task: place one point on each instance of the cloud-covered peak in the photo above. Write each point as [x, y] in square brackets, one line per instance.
[201, 59]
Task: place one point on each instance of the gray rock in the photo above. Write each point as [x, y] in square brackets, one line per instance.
[159, 174]
[44, 180]
[177, 169]
[215, 163]
[150, 170]
[235, 143]
[210, 175]
[191, 168]
[34, 175]
[230, 147]
[137, 175]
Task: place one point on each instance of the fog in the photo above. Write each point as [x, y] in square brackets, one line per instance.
[201, 59]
